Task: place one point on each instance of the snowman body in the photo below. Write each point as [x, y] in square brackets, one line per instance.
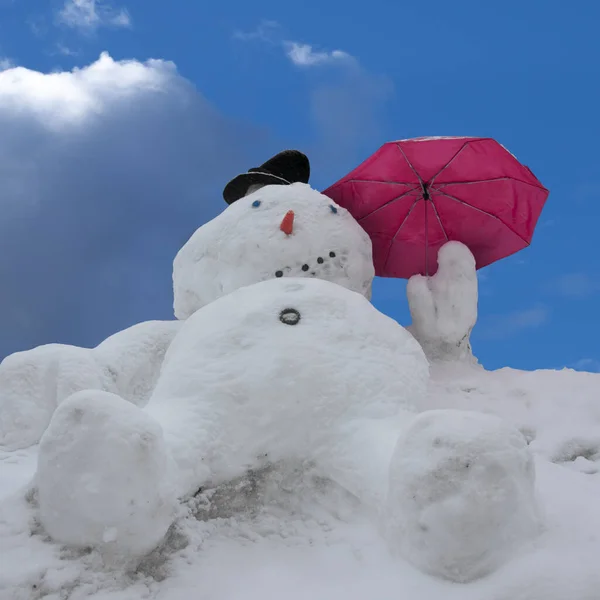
[285, 371]
[281, 370]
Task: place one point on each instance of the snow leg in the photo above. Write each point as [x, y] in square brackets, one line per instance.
[461, 496]
[102, 477]
[444, 307]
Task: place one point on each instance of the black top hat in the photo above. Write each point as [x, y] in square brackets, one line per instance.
[289, 166]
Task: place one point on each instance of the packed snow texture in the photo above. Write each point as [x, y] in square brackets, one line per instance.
[262, 435]
[285, 537]
[245, 244]
[34, 382]
[444, 306]
[281, 370]
[462, 498]
[102, 478]
[282, 373]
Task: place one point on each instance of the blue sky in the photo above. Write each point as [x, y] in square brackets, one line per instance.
[97, 196]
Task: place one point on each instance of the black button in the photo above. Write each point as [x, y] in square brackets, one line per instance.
[320, 260]
[305, 267]
[278, 273]
[289, 316]
[332, 254]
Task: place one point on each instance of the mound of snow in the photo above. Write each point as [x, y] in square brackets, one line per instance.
[102, 478]
[461, 498]
[557, 411]
[245, 244]
[314, 544]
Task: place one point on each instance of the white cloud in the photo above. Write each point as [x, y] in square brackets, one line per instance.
[106, 171]
[303, 55]
[347, 106]
[38, 25]
[64, 50]
[6, 63]
[345, 101]
[121, 19]
[511, 324]
[64, 99]
[89, 15]
[264, 32]
[587, 364]
[576, 285]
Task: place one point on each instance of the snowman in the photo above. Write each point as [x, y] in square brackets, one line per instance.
[276, 226]
[277, 358]
[284, 372]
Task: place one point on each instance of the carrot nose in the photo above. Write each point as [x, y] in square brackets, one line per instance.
[287, 224]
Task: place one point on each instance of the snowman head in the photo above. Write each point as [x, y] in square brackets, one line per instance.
[277, 231]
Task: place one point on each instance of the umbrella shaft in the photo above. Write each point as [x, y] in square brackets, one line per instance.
[426, 236]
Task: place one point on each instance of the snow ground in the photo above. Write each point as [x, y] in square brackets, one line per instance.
[296, 538]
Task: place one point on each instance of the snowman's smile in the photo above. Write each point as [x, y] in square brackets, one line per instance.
[313, 268]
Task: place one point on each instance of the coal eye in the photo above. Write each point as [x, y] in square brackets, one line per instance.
[289, 316]
[256, 204]
[333, 209]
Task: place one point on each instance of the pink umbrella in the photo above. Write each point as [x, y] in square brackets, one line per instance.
[412, 196]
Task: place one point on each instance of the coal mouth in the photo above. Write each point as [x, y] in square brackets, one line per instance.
[312, 267]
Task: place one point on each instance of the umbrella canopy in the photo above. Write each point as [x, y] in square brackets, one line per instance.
[413, 196]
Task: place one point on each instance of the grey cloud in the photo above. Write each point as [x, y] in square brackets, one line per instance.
[93, 215]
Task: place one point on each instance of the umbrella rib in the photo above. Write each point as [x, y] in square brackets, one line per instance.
[380, 181]
[387, 258]
[410, 164]
[489, 181]
[449, 162]
[437, 214]
[387, 204]
[455, 199]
